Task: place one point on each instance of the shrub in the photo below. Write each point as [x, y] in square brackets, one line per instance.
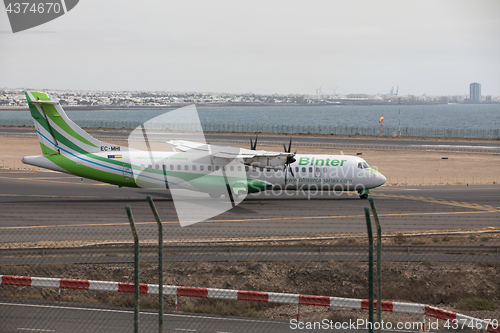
[399, 239]
[475, 304]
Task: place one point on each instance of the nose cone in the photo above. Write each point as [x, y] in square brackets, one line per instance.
[382, 179]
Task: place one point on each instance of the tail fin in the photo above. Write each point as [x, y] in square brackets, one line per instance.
[56, 131]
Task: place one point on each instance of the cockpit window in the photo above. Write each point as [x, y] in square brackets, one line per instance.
[363, 165]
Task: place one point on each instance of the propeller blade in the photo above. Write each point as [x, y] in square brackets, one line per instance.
[290, 145]
[253, 145]
[284, 146]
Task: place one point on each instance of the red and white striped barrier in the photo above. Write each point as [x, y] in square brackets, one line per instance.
[255, 296]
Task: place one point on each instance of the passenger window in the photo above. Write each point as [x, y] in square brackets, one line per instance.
[239, 167]
[217, 168]
[247, 168]
[310, 169]
[194, 167]
[171, 167]
[186, 167]
[209, 168]
[317, 169]
[157, 167]
[324, 170]
[303, 170]
[296, 169]
[142, 166]
[201, 168]
[150, 167]
[268, 170]
[178, 167]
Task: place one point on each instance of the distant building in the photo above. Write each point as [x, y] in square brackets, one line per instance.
[475, 92]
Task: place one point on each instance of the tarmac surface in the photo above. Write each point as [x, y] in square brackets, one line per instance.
[18, 317]
[374, 142]
[54, 206]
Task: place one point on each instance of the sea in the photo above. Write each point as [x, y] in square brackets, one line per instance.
[443, 116]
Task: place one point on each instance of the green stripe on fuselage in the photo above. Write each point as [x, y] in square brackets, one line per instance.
[52, 113]
[85, 171]
[40, 96]
[70, 144]
[207, 182]
[35, 114]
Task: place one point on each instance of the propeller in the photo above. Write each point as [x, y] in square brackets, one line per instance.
[252, 145]
[289, 160]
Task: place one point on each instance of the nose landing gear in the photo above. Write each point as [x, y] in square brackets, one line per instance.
[363, 194]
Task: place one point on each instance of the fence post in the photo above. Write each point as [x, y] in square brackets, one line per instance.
[160, 263]
[379, 262]
[136, 268]
[370, 269]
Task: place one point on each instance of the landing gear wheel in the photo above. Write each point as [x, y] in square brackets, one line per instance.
[235, 196]
[363, 194]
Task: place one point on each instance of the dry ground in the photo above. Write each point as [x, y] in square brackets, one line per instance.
[438, 284]
[400, 167]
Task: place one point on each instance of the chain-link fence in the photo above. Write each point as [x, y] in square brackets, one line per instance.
[223, 276]
[388, 131]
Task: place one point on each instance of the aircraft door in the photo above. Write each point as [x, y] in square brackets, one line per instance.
[317, 172]
[127, 172]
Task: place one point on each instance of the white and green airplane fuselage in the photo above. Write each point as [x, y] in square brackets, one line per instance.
[68, 148]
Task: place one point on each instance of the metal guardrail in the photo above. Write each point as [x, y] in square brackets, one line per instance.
[253, 296]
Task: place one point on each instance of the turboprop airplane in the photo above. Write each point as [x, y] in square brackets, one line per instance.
[194, 166]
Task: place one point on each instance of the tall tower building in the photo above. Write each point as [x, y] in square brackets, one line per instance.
[475, 92]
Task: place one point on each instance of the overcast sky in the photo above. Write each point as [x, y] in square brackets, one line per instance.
[432, 47]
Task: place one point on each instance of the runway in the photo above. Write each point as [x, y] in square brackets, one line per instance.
[48, 206]
[491, 146]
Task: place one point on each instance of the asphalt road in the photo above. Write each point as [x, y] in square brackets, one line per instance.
[73, 317]
[482, 145]
[39, 206]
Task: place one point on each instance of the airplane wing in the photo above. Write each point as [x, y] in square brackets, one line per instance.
[257, 158]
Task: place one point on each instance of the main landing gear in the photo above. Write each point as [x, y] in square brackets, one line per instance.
[363, 194]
